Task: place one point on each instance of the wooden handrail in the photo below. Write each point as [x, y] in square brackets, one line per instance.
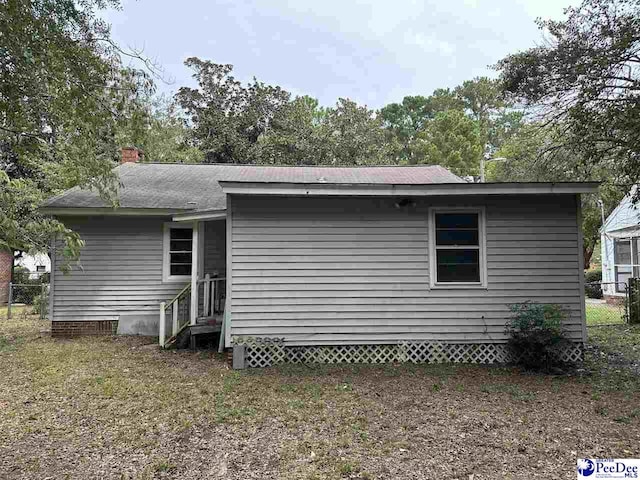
[211, 279]
[213, 304]
[177, 297]
[174, 304]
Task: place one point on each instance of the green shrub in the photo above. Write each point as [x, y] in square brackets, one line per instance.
[594, 275]
[40, 304]
[592, 287]
[536, 336]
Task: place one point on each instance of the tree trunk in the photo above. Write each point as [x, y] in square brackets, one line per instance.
[587, 252]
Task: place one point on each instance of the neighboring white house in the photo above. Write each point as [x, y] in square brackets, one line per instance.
[36, 264]
[620, 243]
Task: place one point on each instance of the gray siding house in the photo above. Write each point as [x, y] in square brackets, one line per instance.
[320, 263]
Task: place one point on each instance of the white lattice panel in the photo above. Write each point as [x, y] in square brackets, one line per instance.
[265, 356]
[432, 352]
[573, 354]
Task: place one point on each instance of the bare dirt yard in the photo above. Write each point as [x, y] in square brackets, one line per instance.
[119, 408]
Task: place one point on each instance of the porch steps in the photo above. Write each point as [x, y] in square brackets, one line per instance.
[175, 315]
[208, 320]
[200, 329]
[186, 334]
[205, 325]
[174, 341]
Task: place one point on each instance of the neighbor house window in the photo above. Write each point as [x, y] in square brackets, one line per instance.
[626, 261]
[457, 253]
[178, 250]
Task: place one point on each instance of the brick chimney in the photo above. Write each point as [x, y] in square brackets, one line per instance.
[6, 264]
[131, 155]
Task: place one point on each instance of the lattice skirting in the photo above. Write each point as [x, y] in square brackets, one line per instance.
[432, 352]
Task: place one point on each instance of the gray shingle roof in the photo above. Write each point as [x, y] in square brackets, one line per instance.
[196, 187]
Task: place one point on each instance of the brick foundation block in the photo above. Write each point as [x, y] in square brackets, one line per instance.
[64, 329]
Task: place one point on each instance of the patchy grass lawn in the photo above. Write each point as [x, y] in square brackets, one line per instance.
[604, 314]
[17, 311]
[615, 356]
[117, 408]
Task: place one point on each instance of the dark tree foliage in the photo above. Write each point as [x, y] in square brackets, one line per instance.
[228, 117]
[585, 81]
[452, 128]
[63, 95]
[405, 120]
[531, 158]
[259, 123]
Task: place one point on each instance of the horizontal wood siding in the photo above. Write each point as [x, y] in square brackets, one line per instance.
[120, 272]
[355, 270]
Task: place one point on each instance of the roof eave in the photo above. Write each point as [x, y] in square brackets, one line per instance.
[122, 212]
[217, 214]
[441, 189]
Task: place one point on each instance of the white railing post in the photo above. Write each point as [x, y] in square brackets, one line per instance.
[207, 292]
[194, 272]
[174, 311]
[218, 300]
[216, 295]
[161, 333]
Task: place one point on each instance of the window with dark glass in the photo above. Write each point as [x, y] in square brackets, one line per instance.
[180, 250]
[626, 259]
[457, 247]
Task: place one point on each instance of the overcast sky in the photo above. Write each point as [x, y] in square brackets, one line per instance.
[374, 51]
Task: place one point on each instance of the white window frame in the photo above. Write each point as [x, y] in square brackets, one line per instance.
[631, 265]
[482, 247]
[166, 257]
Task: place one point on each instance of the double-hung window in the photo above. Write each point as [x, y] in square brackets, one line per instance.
[457, 247]
[626, 261]
[178, 250]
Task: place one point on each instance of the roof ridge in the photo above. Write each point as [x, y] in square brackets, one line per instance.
[286, 166]
[151, 185]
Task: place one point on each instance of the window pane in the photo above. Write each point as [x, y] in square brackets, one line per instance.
[180, 245]
[181, 258]
[622, 276]
[457, 229]
[622, 252]
[458, 273]
[636, 254]
[458, 265]
[456, 220]
[181, 233]
[180, 269]
[456, 237]
[455, 257]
